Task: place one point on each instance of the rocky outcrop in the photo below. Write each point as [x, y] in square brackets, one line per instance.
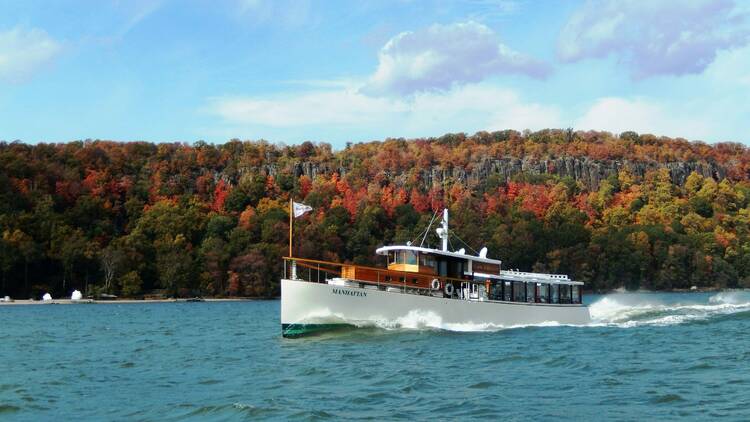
[585, 170]
[589, 172]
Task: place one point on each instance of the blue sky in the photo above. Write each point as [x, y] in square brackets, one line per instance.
[338, 71]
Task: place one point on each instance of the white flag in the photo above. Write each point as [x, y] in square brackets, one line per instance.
[300, 209]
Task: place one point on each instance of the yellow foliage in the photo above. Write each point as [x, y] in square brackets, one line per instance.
[693, 183]
[267, 204]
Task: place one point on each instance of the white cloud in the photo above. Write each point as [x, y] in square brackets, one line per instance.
[468, 108]
[24, 51]
[654, 37]
[442, 56]
[643, 115]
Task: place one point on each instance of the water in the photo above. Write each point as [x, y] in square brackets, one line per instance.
[655, 356]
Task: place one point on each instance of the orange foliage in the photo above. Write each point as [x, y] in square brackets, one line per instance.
[221, 192]
[419, 201]
[535, 198]
[245, 220]
[305, 185]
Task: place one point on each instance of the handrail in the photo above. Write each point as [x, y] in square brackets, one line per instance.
[385, 270]
[402, 284]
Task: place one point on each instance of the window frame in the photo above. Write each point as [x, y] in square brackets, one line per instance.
[519, 291]
[542, 292]
[576, 294]
[554, 296]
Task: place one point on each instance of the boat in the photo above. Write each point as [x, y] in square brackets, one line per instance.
[449, 287]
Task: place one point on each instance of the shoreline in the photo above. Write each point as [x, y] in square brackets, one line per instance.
[22, 302]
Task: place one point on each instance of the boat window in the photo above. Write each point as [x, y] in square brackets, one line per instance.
[496, 291]
[519, 291]
[456, 268]
[427, 261]
[507, 291]
[543, 292]
[530, 292]
[576, 294]
[443, 268]
[410, 257]
[564, 293]
[554, 293]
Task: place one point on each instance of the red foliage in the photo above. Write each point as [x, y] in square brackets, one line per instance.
[535, 198]
[220, 196]
[436, 199]
[494, 203]
[512, 191]
[305, 185]
[419, 201]
[94, 182]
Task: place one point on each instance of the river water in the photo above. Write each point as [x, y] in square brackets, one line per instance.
[651, 355]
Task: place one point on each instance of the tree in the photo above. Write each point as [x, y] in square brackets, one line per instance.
[70, 247]
[214, 256]
[111, 259]
[130, 284]
[174, 262]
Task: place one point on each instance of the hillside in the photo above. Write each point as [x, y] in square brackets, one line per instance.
[127, 218]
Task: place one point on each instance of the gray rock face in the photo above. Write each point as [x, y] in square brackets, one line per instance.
[588, 171]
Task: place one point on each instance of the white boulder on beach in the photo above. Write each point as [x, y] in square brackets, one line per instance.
[76, 295]
[47, 297]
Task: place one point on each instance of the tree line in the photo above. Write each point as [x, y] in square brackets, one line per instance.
[177, 219]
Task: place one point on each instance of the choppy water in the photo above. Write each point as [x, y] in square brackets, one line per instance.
[656, 356]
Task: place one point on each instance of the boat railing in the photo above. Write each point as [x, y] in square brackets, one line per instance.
[318, 271]
[534, 275]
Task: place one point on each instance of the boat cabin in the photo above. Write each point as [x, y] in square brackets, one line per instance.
[456, 274]
[432, 261]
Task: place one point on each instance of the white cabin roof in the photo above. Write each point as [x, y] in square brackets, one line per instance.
[385, 249]
[510, 275]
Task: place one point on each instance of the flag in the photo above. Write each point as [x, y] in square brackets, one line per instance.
[300, 209]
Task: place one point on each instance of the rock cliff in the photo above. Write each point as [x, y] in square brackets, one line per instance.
[588, 171]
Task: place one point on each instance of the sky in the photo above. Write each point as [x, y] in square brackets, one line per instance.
[342, 71]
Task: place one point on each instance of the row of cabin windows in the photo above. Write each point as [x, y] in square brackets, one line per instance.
[411, 258]
[533, 292]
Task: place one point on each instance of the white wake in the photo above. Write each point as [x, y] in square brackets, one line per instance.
[624, 310]
[633, 310]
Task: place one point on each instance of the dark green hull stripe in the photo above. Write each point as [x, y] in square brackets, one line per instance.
[299, 330]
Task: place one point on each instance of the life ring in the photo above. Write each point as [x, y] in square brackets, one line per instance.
[449, 289]
[435, 285]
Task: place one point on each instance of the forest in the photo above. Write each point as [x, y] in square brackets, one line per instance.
[625, 210]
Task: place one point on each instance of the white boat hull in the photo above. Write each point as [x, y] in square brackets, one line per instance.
[308, 307]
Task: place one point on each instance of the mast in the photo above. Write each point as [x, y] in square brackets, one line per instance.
[291, 222]
[443, 231]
